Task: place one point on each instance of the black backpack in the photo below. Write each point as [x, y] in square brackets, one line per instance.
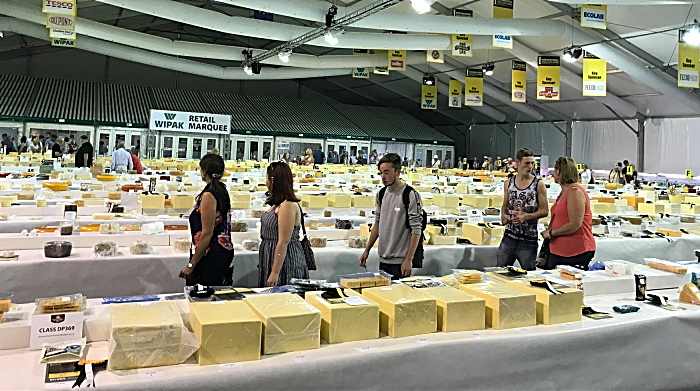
[418, 255]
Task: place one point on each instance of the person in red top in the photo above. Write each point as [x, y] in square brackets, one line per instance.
[570, 231]
[137, 164]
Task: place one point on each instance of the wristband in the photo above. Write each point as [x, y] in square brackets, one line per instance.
[550, 233]
[190, 265]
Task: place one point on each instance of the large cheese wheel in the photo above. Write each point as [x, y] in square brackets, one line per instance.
[56, 186]
[105, 177]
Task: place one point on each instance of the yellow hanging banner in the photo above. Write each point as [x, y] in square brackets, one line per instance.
[428, 99]
[548, 78]
[435, 55]
[688, 174]
[594, 75]
[381, 70]
[519, 85]
[594, 16]
[360, 73]
[474, 88]
[455, 93]
[687, 62]
[503, 9]
[397, 60]
[462, 45]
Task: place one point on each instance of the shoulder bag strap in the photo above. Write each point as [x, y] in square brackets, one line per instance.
[303, 227]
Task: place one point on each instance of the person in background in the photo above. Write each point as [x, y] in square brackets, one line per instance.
[397, 244]
[42, 143]
[83, 157]
[436, 162]
[35, 147]
[102, 148]
[14, 142]
[360, 159]
[586, 176]
[6, 144]
[211, 263]
[121, 160]
[285, 157]
[30, 140]
[23, 144]
[345, 159]
[50, 141]
[57, 148]
[281, 256]
[71, 140]
[405, 163]
[308, 158]
[524, 203]
[353, 159]
[512, 164]
[629, 178]
[373, 157]
[66, 148]
[319, 156]
[496, 164]
[447, 163]
[136, 162]
[616, 175]
[485, 164]
[214, 151]
[570, 232]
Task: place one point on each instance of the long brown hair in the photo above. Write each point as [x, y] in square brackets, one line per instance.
[282, 184]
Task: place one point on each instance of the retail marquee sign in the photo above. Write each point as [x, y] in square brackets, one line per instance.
[178, 121]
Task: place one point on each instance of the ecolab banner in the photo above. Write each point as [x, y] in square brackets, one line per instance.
[178, 121]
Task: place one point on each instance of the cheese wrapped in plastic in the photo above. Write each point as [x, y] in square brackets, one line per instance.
[485, 234]
[227, 332]
[506, 307]
[342, 322]
[289, 323]
[554, 308]
[404, 311]
[148, 335]
[458, 310]
[690, 294]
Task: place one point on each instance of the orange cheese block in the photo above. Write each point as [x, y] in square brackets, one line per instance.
[89, 228]
[177, 173]
[227, 173]
[56, 186]
[45, 229]
[27, 174]
[105, 177]
[127, 188]
[609, 200]
[176, 227]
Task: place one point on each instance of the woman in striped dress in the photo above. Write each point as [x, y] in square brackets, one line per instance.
[281, 256]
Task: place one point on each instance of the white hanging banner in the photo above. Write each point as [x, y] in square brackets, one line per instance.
[594, 16]
[503, 41]
[63, 7]
[57, 33]
[178, 121]
[62, 22]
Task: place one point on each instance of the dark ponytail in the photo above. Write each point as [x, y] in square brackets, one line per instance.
[213, 165]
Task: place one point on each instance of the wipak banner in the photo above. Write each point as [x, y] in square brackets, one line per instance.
[61, 22]
[455, 93]
[474, 88]
[687, 63]
[56, 33]
[61, 7]
[436, 55]
[68, 43]
[519, 85]
[594, 16]
[548, 77]
[462, 45]
[503, 9]
[594, 75]
[397, 60]
[360, 73]
[428, 98]
[381, 70]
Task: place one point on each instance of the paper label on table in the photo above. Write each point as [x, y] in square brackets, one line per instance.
[225, 367]
[48, 328]
[650, 226]
[151, 375]
[355, 300]
[425, 341]
[367, 349]
[370, 219]
[302, 358]
[614, 229]
[475, 217]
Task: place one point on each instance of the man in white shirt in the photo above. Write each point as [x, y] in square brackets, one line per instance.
[121, 160]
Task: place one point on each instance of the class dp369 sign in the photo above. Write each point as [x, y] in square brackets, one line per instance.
[178, 121]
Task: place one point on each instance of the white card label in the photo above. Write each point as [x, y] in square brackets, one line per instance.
[355, 300]
[367, 349]
[49, 328]
[424, 341]
[150, 375]
[303, 358]
[650, 226]
[614, 229]
[475, 217]
[370, 219]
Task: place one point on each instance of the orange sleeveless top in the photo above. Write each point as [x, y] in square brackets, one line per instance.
[578, 242]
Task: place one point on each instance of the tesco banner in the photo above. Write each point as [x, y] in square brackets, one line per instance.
[178, 121]
[61, 7]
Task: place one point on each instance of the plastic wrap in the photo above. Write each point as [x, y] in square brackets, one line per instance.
[3, 216]
[404, 311]
[141, 247]
[318, 241]
[147, 335]
[458, 310]
[344, 224]
[618, 267]
[6, 301]
[342, 322]
[57, 249]
[485, 234]
[357, 242]
[290, 323]
[506, 307]
[667, 266]
[313, 224]
[182, 245]
[104, 249]
[239, 226]
[109, 228]
[466, 276]
[227, 332]
[563, 307]
[365, 280]
[153, 228]
[257, 213]
[252, 244]
[103, 216]
[54, 305]
[690, 294]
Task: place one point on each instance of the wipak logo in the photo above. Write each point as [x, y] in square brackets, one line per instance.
[169, 116]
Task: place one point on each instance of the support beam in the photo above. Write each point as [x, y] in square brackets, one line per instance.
[641, 129]
[569, 137]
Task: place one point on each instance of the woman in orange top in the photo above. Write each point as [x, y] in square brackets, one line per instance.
[570, 231]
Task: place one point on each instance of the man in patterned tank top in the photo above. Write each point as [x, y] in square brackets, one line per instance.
[524, 203]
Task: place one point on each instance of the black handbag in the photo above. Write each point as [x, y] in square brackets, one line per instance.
[542, 257]
[306, 245]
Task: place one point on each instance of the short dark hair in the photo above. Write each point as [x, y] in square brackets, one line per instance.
[282, 184]
[626, 162]
[84, 137]
[524, 152]
[392, 158]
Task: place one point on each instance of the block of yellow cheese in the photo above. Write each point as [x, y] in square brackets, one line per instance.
[632, 200]
[153, 201]
[289, 323]
[436, 230]
[240, 196]
[477, 201]
[404, 311]
[339, 200]
[604, 199]
[506, 307]
[675, 198]
[363, 200]
[496, 201]
[648, 195]
[670, 232]
[551, 308]
[650, 208]
[182, 201]
[341, 322]
[446, 200]
[483, 235]
[462, 188]
[690, 294]
[227, 332]
[598, 208]
[458, 310]
[314, 201]
[691, 208]
[413, 176]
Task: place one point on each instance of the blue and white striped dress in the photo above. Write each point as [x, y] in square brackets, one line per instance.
[294, 265]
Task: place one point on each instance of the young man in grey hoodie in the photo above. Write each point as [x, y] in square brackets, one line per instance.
[397, 244]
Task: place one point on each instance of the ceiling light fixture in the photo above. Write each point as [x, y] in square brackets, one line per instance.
[692, 35]
[248, 70]
[488, 68]
[332, 35]
[2, 35]
[572, 54]
[422, 6]
[332, 12]
[284, 55]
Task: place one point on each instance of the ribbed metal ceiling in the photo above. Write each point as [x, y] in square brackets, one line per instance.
[242, 112]
[370, 122]
[64, 99]
[121, 103]
[409, 125]
[15, 94]
[178, 100]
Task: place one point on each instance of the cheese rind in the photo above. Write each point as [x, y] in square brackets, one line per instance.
[342, 322]
[458, 310]
[506, 307]
[404, 311]
[551, 308]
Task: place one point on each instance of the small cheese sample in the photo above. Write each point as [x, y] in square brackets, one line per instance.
[632, 200]
[357, 242]
[182, 245]
[342, 322]
[182, 201]
[670, 232]
[496, 201]
[477, 201]
[339, 200]
[141, 247]
[444, 240]
[318, 241]
[103, 216]
[313, 224]
[650, 208]
[667, 266]
[105, 177]
[551, 308]
[239, 226]
[56, 186]
[26, 197]
[26, 187]
[602, 208]
[483, 235]
[363, 200]
[458, 310]
[257, 213]
[251, 244]
[690, 294]
[109, 228]
[506, 307]
[114, 196]
[227, 332]
[462, 188]
[404, 311]
[104, 249]
[289, 323]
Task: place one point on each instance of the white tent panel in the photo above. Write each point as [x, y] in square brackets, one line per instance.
[542, 138]
[601, 144]
[669, 145]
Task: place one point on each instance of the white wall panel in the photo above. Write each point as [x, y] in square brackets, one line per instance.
[542, 138]
[670, 145]
[601, 144]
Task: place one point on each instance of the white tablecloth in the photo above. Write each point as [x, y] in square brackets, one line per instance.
[20, 223]
[635, 250]
[648, 350]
